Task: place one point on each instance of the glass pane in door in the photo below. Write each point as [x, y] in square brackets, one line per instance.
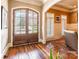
[19, 22]
[32, 25]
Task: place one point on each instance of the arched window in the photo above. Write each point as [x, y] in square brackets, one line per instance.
[25, 21]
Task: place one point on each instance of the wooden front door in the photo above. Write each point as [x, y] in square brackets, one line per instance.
[25, 26]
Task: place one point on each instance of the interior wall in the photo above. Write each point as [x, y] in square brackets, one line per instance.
[73, 27]
[73, 21]
[58, 26]
[73, 17]
[15, 4]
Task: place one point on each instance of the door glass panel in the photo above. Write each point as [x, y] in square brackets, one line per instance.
[17, 29]
[32, 22]
[23, 29]
[19, 22]
[17, 13]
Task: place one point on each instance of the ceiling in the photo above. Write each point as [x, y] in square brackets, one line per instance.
[68, 4]
[34, 2]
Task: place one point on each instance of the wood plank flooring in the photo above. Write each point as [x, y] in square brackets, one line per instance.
[39, 51]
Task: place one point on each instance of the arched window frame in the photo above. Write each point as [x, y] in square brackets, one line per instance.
[27, 9]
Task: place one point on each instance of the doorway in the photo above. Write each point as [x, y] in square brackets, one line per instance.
[64, 22]
[25, 26]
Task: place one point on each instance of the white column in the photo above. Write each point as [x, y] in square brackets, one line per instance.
[43, 28]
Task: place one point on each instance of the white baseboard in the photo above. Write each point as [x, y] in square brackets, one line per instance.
[44, 41]
[5, 50]
[40, 40]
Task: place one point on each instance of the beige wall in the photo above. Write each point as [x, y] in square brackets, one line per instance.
[15, 4]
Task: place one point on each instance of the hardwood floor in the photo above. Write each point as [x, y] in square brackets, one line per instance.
[39, 51]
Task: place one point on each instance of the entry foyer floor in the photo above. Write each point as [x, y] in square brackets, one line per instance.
[40, 51]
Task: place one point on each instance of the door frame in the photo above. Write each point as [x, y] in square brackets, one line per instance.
[39, 39]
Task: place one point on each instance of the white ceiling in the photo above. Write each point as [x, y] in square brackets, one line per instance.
[68, 4]
[34, 2]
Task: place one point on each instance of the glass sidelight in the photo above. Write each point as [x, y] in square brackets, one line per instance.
[50, 24]
[64, 22]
